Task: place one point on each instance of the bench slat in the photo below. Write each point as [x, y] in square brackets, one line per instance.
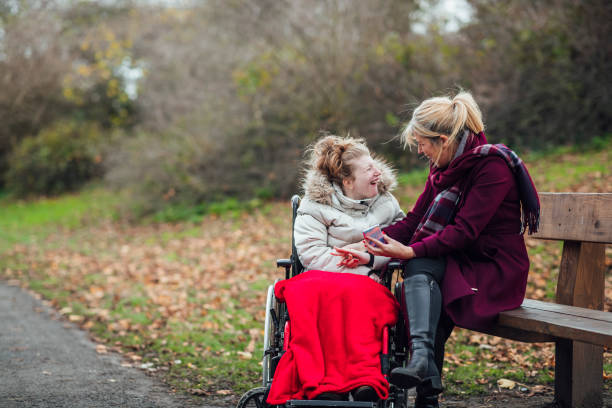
[570, 310]
[516, 334]
[576, 217]
[563, 323]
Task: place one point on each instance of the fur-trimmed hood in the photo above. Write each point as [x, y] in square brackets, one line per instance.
[318, 188]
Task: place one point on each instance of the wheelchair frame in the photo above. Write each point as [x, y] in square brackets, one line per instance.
[276, 331]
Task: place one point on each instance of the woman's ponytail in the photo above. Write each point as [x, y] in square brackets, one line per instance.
[470, 116]
[444, 116]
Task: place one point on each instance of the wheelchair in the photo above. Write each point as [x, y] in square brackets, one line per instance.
[277, 331]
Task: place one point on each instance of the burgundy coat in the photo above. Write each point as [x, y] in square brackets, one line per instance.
[486, 258]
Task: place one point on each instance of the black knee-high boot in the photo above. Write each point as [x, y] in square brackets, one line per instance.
[422, 305]
[443, 332]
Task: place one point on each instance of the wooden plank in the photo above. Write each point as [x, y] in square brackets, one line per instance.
[581, 279]
[576, 217]
[589, 289]
[560, 325]
[578, 374]
[587, 369]
[581, 275]
[569, 310]
[566, 281]
[516, 334]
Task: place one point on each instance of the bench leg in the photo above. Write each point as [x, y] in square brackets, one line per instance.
[578, 374]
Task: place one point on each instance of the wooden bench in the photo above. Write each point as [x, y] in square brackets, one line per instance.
[575, 322]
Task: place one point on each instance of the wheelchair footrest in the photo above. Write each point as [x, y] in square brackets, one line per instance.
[330, 403]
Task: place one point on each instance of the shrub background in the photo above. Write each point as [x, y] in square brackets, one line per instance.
[60, 158]
[219, 99]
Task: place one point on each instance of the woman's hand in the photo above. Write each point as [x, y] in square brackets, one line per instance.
[390, 248]
[351, 258]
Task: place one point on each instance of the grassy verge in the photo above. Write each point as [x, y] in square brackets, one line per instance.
[30, 222]
[186, 299]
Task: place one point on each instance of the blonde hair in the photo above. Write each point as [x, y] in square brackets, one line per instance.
[333, 155]
[444, 116]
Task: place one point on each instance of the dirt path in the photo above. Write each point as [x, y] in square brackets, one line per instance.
[47, 362]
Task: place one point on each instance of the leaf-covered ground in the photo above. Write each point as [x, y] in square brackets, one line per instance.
[186, 301]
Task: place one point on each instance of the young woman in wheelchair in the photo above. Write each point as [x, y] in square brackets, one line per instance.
[346, 191]
[463, 240]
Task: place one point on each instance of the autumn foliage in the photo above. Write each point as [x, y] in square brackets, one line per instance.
[186, 301]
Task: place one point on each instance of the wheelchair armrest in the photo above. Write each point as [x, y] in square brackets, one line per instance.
[395, 265]
[287, 264]
[283, 263]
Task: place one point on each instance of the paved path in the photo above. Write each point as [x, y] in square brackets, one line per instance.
[46, 362]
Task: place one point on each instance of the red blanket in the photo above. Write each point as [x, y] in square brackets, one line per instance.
[337, 321]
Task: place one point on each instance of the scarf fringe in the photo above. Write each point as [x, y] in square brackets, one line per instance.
[532, 219]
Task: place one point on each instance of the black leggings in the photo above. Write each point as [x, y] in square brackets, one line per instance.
[433, 267]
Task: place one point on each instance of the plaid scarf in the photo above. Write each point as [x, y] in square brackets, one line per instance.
[442, 209]
[440, 213]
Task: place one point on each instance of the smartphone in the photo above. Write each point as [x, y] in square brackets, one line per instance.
[374, 233]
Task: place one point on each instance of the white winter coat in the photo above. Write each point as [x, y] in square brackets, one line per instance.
[327, 218]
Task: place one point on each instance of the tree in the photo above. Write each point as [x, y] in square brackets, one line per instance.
[542, 69]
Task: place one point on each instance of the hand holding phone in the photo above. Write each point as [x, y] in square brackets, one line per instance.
[374, 234]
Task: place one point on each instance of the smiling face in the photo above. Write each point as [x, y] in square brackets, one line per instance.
[363, 183]
[436, 150]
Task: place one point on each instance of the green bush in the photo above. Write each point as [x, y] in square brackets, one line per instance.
[60, 158]
[176, 175]
[541, 71]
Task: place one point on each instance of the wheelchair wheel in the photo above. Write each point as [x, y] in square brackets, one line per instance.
[253, 398]
[397, 399]
[269, 341]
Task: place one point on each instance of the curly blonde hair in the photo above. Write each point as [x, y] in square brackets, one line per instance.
[333, 155]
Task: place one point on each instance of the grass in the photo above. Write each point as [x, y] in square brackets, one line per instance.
[230, 208]
[52, 245]
[475, 366]
[30, 222]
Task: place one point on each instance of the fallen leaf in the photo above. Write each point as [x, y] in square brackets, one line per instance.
[135, 357]
[196, 391]
[65, 310]
[505, 383]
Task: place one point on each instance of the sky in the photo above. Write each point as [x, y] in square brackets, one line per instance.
[451, 14]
